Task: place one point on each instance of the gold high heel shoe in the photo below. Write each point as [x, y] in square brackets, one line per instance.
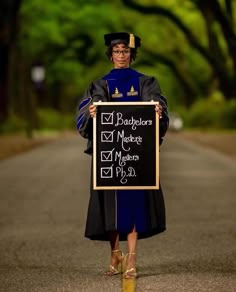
[132, 272]
[119, 269]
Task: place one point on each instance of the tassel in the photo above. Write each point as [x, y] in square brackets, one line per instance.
[131, 41]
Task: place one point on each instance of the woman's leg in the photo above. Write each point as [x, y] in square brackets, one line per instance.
[132, 245]
[116, 254]
[114, 240]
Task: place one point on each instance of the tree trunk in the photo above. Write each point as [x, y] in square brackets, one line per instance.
[8, 31]
[3, 82]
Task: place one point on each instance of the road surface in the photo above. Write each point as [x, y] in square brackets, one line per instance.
[43, 202]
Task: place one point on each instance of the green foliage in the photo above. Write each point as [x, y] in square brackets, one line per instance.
[50, 119]
[13, 124]
[229, 114]
[212, 112]
[67, 37]
[204, 113]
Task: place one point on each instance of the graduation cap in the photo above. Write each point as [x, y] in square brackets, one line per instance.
[132, 40]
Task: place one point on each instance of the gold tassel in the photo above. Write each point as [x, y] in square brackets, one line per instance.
[131, 41]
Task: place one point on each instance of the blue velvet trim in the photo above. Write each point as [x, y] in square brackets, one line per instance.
[123, 80]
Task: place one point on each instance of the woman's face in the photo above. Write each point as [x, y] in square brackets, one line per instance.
[121, 56]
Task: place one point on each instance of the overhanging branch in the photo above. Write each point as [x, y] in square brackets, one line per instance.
[157, 9]
[184, 80]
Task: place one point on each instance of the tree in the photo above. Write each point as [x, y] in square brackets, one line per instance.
[8, 31]
[65, 37]
[220, 50]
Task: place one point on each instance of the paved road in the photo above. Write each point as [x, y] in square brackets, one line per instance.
[43, 202]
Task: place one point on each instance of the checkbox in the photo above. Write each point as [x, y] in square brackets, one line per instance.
[106, 172]
[107, 118]
[106, 155]
[107, 136]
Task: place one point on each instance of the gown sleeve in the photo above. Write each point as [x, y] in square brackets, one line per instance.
[150, 90]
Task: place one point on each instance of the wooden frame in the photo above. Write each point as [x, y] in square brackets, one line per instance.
[156, 125]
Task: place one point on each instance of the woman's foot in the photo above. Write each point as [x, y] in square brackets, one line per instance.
[130, 269]
[116, 261]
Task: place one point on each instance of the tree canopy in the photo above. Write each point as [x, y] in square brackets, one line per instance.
[209, 29]
[190, 46]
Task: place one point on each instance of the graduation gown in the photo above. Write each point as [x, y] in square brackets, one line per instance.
[113, 210]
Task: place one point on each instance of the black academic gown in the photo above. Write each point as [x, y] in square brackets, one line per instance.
[102, 209]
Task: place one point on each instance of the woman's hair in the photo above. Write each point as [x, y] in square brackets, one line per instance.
[133, 51]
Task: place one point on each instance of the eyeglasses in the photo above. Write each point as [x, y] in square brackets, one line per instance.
[124, 52]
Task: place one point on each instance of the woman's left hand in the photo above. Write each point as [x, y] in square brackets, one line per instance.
[158, 109]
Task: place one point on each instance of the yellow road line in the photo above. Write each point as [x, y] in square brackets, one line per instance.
[128, 285]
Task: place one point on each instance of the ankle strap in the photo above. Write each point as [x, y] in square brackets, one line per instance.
[116, 250]
[131, 253]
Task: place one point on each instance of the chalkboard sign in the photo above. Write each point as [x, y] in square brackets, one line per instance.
[126, 146]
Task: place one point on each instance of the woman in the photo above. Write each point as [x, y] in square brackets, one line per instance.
[124, 214]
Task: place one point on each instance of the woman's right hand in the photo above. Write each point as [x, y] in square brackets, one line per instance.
[92, 110]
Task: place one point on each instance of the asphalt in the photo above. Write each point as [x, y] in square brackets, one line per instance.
[43, 202]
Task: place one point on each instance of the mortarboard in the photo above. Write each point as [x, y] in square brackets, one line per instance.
[132, 40]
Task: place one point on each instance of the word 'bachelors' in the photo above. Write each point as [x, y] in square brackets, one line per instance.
[131, 122]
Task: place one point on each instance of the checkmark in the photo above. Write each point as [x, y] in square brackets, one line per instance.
[106, 155]
[107, 118]
[107, 136]
[106, 172]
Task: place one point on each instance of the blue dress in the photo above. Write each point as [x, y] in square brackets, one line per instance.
[123, 85]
